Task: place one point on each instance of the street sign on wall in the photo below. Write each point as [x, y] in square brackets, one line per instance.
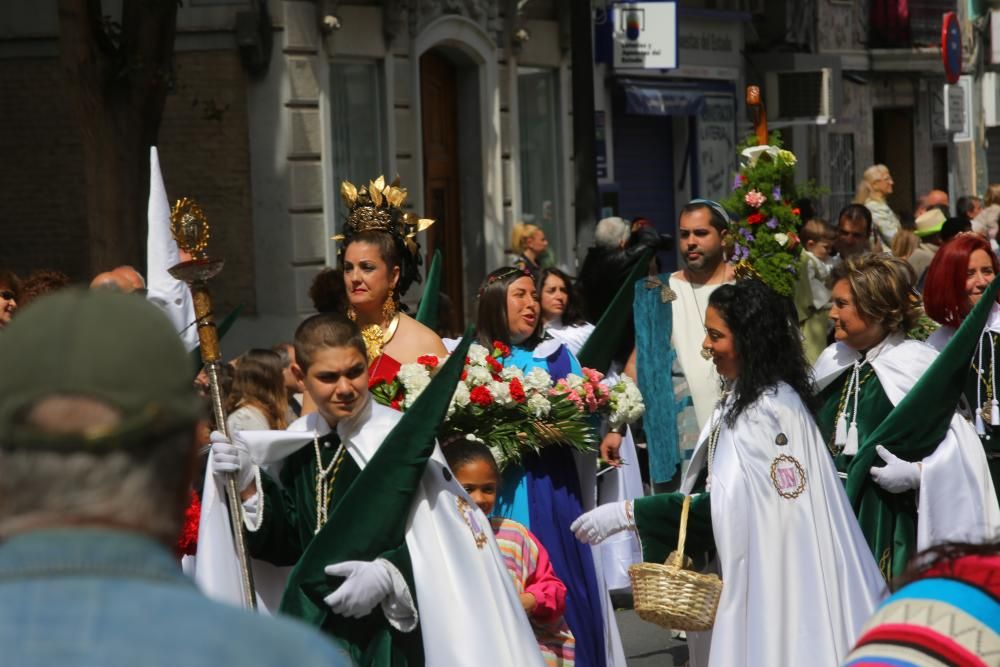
[645, 35]
[951, 48]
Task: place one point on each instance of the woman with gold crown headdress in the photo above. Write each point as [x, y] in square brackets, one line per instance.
[381, 259]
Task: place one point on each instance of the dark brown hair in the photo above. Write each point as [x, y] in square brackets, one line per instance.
[10, 280]
[328, 293]
[491, 317]
[573, 314]
[324, 331]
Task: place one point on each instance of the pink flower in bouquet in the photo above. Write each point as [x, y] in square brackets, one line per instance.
[590, 400]
[481, 396]
[755, 198]
[592, 375]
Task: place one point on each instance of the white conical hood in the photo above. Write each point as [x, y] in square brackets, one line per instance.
[170, 294]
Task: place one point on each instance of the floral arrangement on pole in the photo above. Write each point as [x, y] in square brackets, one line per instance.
[515, 413]
[763, 236]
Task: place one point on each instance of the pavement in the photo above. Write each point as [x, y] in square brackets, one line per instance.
[646, 644]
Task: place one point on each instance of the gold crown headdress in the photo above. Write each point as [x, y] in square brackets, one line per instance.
[378, 207]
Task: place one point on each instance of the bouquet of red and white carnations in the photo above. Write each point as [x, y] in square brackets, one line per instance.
[514, 412]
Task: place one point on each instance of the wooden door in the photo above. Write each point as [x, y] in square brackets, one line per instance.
[439, 115]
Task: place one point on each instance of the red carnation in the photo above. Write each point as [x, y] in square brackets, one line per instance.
[428, 360]
[743, 179]
[755, 218]
[517, 391]
[464, 376]
[481, 396]
[500, 349]
[187, 541]
[494, 365]
[796, 212]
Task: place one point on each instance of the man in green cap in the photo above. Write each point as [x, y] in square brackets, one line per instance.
[97, 447]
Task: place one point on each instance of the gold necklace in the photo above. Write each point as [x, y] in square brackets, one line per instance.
[324, 486]
[377, 338]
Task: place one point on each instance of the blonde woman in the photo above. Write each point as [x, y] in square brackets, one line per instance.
[872, 191]
[986, 222]
[528, 242]
[905, 243]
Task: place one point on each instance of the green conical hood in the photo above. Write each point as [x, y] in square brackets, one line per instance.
[614, 324]
[427, 312]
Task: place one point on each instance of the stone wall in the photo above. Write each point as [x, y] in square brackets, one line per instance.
[203, 152]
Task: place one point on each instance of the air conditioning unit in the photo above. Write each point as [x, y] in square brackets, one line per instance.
[800, 95]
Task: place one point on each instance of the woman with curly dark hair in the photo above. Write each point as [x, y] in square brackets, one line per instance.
[862, 378]
[798, 578]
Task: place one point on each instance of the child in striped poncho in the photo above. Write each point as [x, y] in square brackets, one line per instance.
[542, 593]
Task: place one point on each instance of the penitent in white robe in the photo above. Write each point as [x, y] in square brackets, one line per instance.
[798, 578]
[468, 610]
[956, 500]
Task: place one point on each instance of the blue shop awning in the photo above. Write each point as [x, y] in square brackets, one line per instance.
[647, 98]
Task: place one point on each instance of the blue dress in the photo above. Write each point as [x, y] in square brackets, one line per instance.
[544, 495]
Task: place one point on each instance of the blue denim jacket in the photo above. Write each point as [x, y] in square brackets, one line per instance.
[107, 598]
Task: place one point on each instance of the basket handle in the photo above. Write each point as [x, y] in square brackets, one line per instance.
[682, 532]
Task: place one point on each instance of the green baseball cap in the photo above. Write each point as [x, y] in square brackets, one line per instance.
[112, 347]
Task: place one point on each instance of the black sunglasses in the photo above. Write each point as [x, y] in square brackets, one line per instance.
[7, 294]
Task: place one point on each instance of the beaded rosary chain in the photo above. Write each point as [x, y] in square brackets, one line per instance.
[324, 486]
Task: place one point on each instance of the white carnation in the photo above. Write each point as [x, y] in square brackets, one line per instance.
[414, 378]
[627, 404]
[511, 372]
[537, 380]
[477, 354]
[539, 406]
[501, 393]
[478, 375]
[460, 399]
[575, 382]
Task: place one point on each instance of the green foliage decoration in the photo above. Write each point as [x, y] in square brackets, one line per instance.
[763, 241]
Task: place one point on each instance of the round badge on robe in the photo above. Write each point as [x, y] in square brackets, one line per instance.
[781, 440]
[788, 476]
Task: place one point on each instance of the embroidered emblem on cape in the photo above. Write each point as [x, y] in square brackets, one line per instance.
[781, 440]
[666, 294]
[788, 476]
[468, 513]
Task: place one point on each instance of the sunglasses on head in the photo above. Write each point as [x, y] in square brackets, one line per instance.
[7, 294]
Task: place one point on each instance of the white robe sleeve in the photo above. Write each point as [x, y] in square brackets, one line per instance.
[957, 501]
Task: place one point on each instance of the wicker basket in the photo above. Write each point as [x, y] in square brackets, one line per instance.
[671, 595]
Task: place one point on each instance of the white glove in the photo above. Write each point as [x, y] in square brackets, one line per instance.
[367, 584]
[602, 522]
[232, 458]
[897, 475]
